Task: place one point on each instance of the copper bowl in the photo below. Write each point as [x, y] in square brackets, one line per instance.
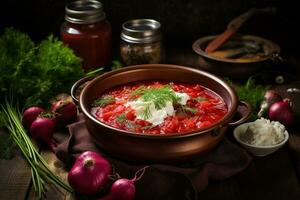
[173, 148]
[233, 68]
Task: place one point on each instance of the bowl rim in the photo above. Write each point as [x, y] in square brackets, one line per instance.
[77, 84]
[214, 126]
[236, 136]
[196, 47]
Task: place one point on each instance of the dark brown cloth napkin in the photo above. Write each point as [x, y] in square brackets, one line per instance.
[163, 181]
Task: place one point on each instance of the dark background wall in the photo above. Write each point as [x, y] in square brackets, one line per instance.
[183, 21]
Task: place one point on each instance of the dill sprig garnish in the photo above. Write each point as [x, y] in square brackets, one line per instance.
[121, 119]
[160, 96]
[157, 96]
[199, 99]
[138, 92]
[103, 101]
[147, 112]
[185, 110]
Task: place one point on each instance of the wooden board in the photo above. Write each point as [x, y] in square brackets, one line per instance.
[15, 177]
[269, 178]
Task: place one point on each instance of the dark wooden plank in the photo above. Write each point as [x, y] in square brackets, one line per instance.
[270, 178]
[294, 144]
[15, 177]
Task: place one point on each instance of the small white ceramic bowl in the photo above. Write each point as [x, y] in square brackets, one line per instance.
[254, 149]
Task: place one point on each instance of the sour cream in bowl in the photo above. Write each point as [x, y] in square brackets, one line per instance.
[261, 137]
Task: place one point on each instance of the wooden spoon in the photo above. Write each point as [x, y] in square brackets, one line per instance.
[234, 25]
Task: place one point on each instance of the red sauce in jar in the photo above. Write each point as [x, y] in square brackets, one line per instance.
[205, 108]
[88, 33]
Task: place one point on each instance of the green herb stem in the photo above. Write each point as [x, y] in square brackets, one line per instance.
[94, 72]
[185, 110]
[40, 170]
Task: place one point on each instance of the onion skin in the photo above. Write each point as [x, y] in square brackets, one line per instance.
[281, 111]
[89, 173]
[122, 189]
[66, 111]
[270, 97]
[30, 114]
[42, 129]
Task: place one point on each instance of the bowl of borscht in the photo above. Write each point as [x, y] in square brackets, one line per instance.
[159, 113]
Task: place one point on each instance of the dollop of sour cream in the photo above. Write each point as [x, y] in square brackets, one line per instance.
[156, 116]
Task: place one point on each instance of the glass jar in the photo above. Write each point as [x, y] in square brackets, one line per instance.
[141, 42]
[88, 33]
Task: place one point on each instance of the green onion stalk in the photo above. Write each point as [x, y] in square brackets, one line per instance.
[40, 171]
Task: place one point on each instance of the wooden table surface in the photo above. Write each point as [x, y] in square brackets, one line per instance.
[273, 177]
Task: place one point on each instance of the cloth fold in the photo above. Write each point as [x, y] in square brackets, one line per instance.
[162, 181]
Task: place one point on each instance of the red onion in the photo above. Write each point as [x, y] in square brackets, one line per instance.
[42, 129]
[30, 114]
[270, 97]
[281, 111]
[124, 189]
[89, 173]
[65, 108]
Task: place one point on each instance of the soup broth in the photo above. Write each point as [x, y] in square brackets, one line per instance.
[158, 107]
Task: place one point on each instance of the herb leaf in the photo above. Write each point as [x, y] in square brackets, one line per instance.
[185, 110]
[116, 65]
[121, 119]
[33, 73]
[252, 93]
[147, 112]
[138, 92]
[199, 99]
[160, 96]
[103, 101]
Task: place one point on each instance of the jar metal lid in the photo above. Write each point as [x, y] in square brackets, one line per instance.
[84, 12]
[141, 31]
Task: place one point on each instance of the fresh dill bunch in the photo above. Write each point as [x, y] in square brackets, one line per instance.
[103, 101]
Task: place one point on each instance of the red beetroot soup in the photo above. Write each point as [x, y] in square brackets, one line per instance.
[159, 107]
